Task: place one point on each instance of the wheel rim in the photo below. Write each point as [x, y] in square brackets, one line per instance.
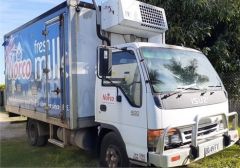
[113, 157]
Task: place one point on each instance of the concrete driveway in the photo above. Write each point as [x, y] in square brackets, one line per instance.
[13, 127]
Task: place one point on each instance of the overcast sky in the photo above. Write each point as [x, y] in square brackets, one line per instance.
[14, 13]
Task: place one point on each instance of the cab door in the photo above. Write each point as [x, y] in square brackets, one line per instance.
[54, 41]
[122, 102]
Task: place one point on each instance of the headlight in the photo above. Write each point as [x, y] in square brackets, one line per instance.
[172, 139]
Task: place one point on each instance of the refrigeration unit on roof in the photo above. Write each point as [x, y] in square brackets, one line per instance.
[133, 17]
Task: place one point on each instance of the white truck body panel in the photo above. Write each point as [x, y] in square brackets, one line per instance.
[167, 117]
[85, 63]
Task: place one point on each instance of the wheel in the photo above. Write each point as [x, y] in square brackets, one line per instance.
[113, 153]
[33, 135]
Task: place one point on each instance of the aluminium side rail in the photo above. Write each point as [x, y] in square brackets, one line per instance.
[225, 130]
[161, 141]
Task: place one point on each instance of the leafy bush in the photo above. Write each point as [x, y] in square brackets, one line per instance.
[2, 87]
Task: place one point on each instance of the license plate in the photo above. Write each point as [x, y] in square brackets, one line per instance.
[211, 149]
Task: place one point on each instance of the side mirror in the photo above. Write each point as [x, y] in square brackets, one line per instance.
[105, 62]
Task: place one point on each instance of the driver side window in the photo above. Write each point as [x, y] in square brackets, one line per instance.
[126, 75]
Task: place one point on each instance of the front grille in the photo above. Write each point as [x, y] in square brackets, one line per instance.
[201, 131]
[152, 18]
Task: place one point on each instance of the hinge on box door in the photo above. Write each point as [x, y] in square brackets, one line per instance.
[45, 32]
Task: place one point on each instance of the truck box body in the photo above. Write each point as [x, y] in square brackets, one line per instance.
[71, 48]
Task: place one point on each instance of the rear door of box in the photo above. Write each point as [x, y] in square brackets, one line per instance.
[37, 66]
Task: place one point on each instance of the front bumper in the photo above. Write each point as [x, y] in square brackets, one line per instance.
[200, 147]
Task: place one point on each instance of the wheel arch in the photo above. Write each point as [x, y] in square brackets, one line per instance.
[104, 130]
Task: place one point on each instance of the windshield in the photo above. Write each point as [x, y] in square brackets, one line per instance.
[173, 69]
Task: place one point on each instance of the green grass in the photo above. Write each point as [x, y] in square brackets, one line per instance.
[18, 153]
[228, 158]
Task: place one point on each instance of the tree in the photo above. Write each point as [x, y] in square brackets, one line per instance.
[212, 26]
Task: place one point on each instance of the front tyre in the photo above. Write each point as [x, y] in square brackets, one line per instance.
[113, 153]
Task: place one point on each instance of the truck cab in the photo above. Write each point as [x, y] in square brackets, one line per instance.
[166, 102]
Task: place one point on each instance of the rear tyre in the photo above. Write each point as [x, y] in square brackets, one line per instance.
[33, 135]
[113, 153]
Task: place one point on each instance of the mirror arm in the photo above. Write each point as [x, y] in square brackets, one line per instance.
[119, 98]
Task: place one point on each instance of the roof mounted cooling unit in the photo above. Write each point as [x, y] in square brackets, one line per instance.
[133, 17]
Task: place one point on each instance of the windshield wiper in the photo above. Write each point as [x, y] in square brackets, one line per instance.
[178, 92]
[215, 86]
[188, 88]
[171, 94]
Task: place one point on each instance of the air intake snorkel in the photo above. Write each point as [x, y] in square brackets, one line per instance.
[98, 24]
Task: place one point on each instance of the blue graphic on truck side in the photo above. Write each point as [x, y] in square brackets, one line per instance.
[26, 56]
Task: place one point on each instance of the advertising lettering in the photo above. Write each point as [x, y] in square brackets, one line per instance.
[19, 68]
[108, 98]
[16, 66]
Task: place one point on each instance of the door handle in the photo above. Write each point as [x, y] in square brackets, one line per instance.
[57, 91]
[103, 107]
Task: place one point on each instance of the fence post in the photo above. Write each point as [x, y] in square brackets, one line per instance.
[231, 82]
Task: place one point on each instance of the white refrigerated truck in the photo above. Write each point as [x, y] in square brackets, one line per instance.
[103, 78]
